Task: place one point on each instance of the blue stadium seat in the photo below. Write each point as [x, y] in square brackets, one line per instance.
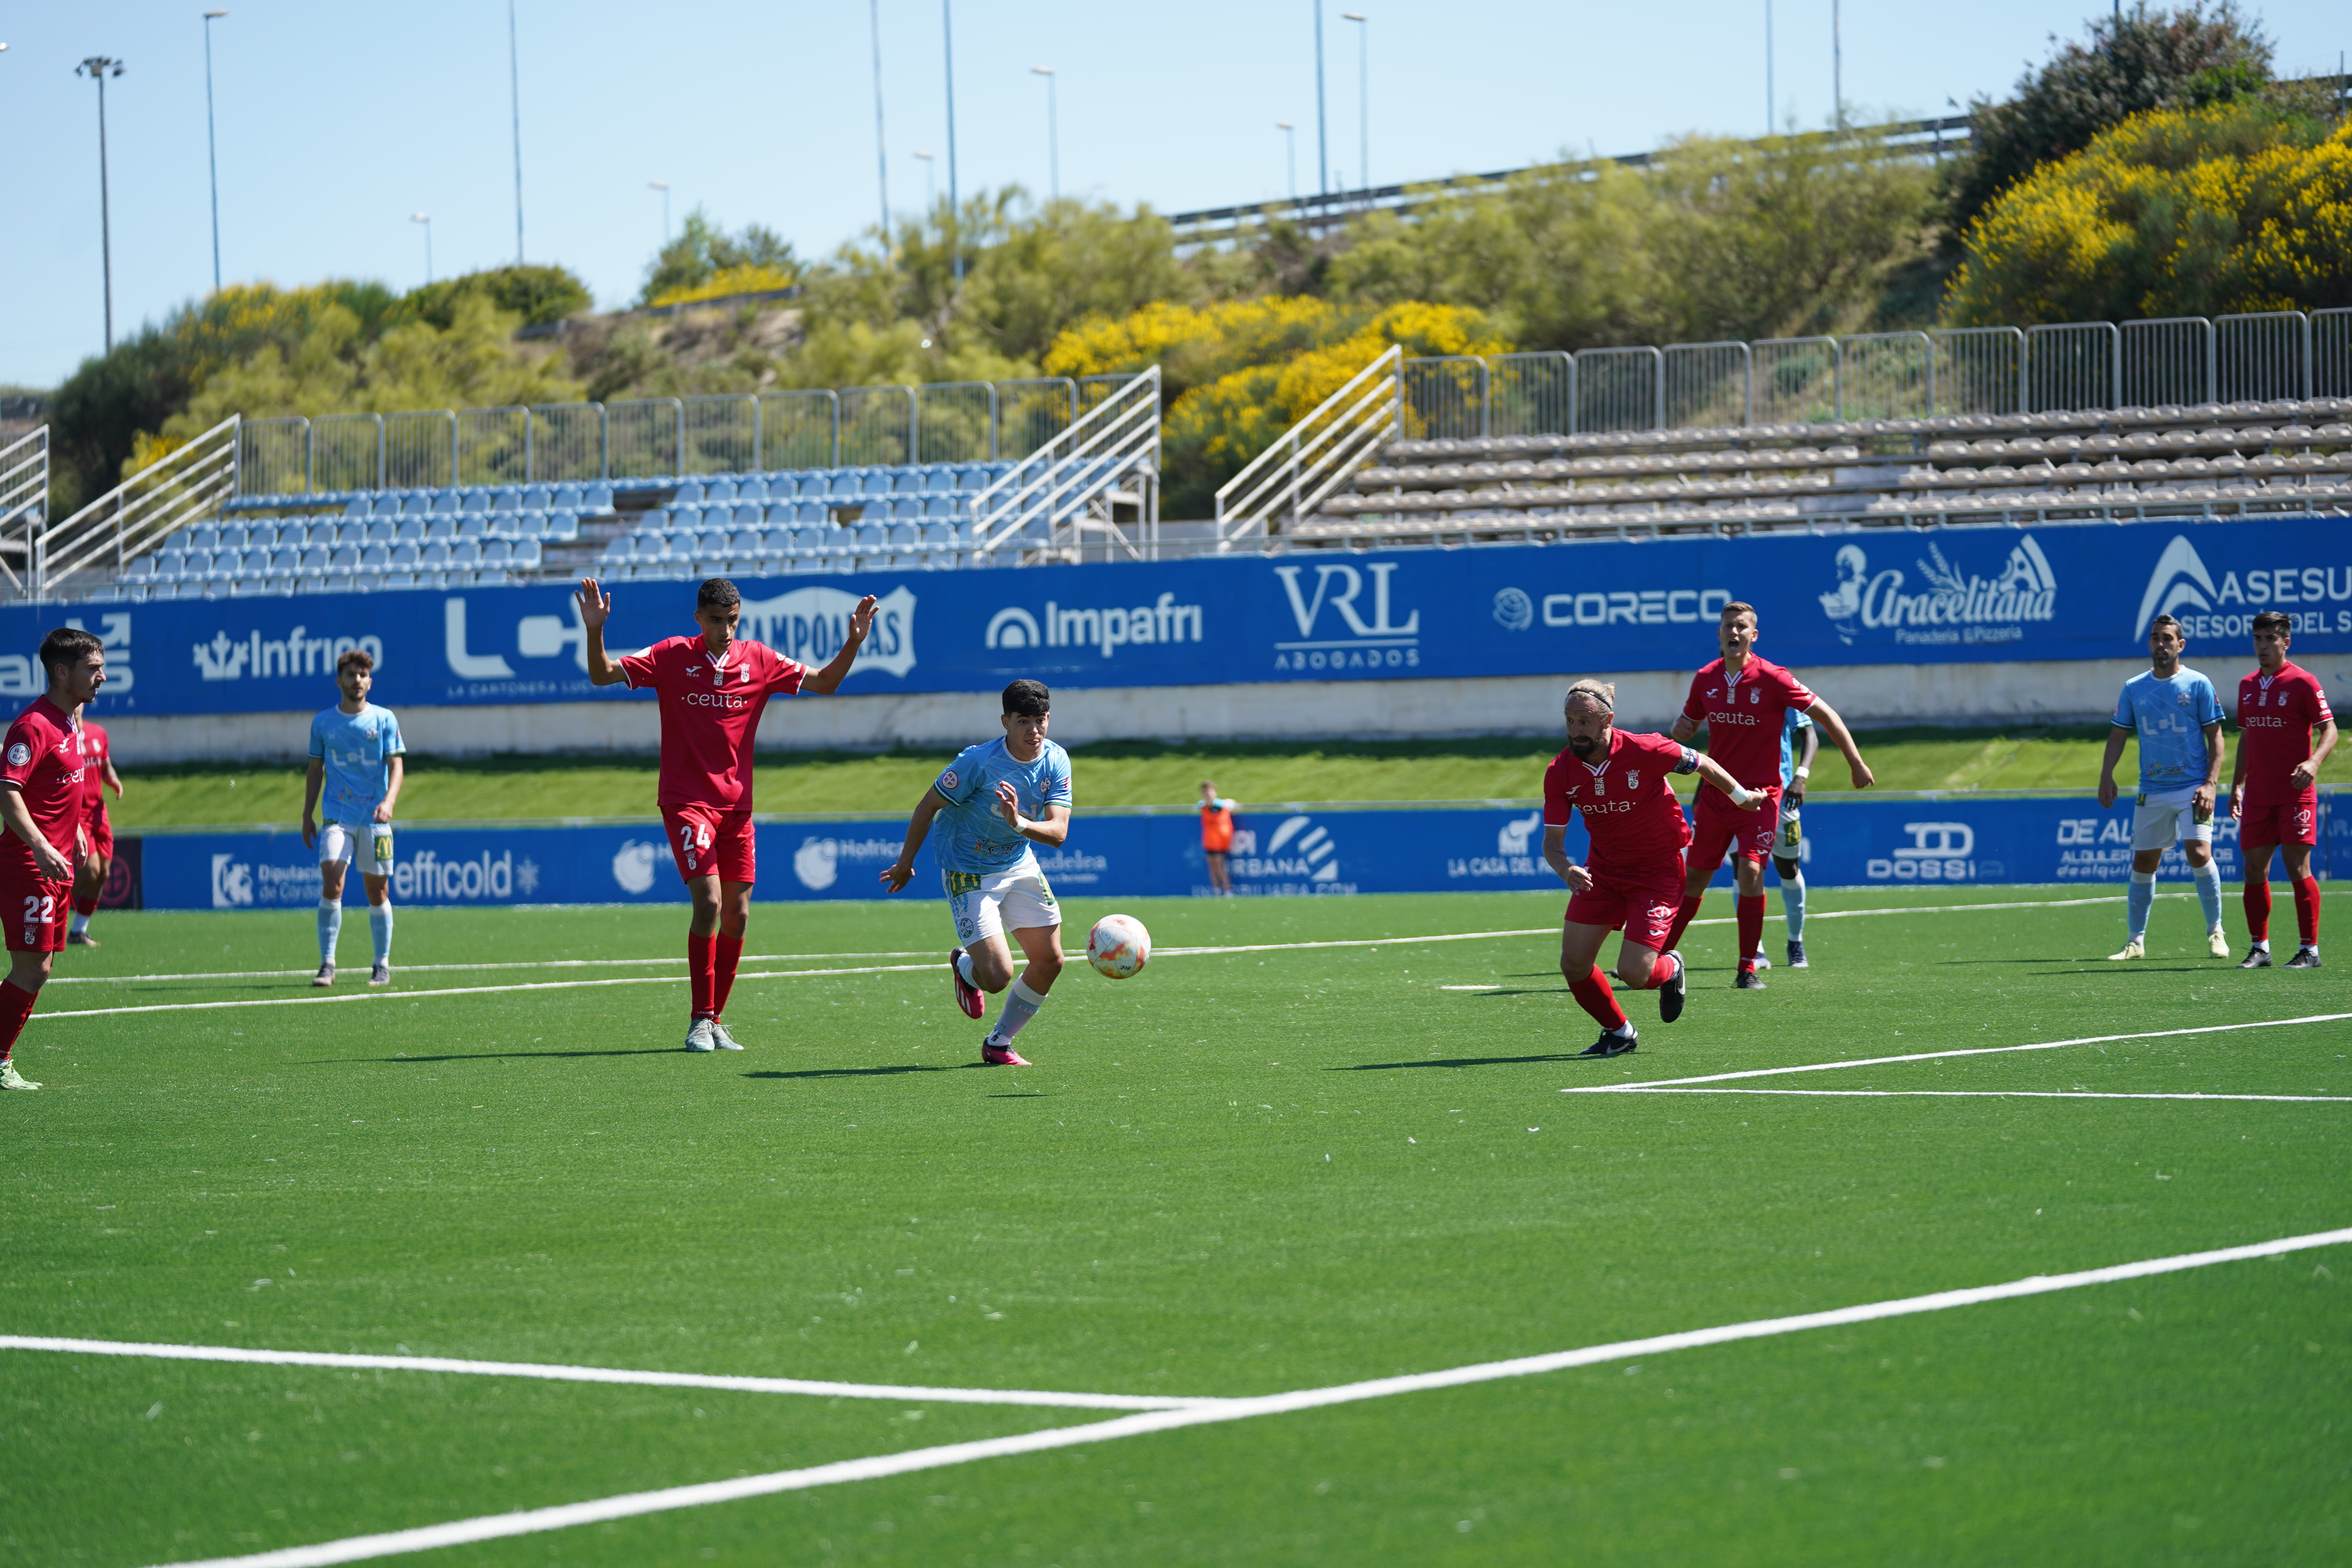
[498, 553]
[405, 556]
[718, 488]
[359, 506]
[754, 486]
[473, 527]
[563, 498]
[443, 529]
[344, 558]
[473, 501]
[597, 497]
[506, 499]
[534, 498]
[441, 503]
[562, 525]
[689, 493]
[376, 558]
[526, 554]
[434, 556]
[466, 553]
[409, 530]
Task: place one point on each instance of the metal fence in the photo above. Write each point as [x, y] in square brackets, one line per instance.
[2072, 365]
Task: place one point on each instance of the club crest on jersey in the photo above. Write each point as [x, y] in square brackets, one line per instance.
[1633, 778]
[19, 754]
[948, 778]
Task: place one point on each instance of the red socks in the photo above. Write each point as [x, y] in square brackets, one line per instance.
[699, 959]
[17, 1006]
[1681, 922]
[2258, 908]
[87, 906]
[1751, 929]
[2306, 910]
[731, 948]
[1592, 994]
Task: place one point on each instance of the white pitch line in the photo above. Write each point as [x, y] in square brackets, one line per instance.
[566, 1516]
[424, 968]
[1997, 1094]
[558, 1373]
[1972, 1051]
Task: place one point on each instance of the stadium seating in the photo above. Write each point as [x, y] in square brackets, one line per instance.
[2210, 460]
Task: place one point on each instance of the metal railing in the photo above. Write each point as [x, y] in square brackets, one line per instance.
[24, 502]
[181, 488]
[1316, 456]
[1053, 497]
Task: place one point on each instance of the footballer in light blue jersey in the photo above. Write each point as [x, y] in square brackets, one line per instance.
[2168, 715]
[992, 804]
[353, 782]
[2175, 715]
[357, 748]
[1794, 724]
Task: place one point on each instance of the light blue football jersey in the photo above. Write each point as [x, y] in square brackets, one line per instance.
[358, 749]
[966, 833]
[2169, 717]
[1792, 726]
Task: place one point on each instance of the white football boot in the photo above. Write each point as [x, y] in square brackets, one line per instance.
[699, 1036]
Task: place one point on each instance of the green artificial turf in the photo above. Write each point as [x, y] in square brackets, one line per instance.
[1113, 775]
[1240, 1172]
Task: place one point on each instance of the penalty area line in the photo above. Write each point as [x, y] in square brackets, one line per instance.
[566, 1516]
[1970, 1051]
[1994, 1094]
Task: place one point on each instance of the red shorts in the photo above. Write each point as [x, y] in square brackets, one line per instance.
[707, 838]
[1643, 907]
[101, 836]
[35, 911]
[1718, 825]
[2288, 822]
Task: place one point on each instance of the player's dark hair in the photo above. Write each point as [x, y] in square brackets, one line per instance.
[2166, 621]
[66, 645]
[717, 594]
[2268, 621]
[1736, 607]
[351, 658]
[1028, 700]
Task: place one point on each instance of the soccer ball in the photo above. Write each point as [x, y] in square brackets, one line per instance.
[1118, 946]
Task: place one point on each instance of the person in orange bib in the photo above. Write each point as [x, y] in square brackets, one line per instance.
[1217, 836]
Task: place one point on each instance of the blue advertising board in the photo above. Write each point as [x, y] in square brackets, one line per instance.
[2058, 591]
[1850, 842]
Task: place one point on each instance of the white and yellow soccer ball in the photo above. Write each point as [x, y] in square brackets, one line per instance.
[1118, 946]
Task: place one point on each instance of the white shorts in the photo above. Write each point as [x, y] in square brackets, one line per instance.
[989, 903]
[339, 841]
[2167, 820]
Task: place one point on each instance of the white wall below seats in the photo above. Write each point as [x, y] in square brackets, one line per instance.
[1389, 710]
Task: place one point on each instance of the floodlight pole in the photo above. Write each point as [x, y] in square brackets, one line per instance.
[514, 85]
[1771, 101]
[954, 223]
[212, 146]
[1837, 62]
[1322, 126]
[1053, 135]
[98, 67]
[1290, 155]
[881, 154]
[1363, 97]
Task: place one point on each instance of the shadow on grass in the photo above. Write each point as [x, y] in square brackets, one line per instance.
[508, 1055]
[870, 1072]
[1463, 1062]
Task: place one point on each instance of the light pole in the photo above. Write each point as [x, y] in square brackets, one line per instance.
[930, 184]
[1322, 126]
[426, 219]
[514, 85]
[98, 67]
[1290, 155]
[947, 38]
[881, 157]
[1837, 62]
[1363, 97]
[211, 148]
[1053, 135]
[1771, 102]
[662, 186]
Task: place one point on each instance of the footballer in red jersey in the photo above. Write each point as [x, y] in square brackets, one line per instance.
[712, 688]
[42, 804]
[2285, 734]
[1633, 875]
[1744, 701]
[98, 775]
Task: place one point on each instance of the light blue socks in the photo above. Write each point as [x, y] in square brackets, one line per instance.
[380, 928]
[2209, 892]
[1020, 1005]
[1792, 904]
[330, 926]
[2143, 895]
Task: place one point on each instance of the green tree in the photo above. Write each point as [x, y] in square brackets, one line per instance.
[2134, 61]
[703, 250]
[538, 295]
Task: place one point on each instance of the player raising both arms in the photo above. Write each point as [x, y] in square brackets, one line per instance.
[1632, 873]
[2285, 733]
[2173, 711]
[98, 775]
[712, 688]
[1741, 699]
[41, 803]
[998, 798]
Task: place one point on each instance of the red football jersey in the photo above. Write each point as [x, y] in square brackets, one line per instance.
[1635, 822]
[1745, 714]
[711, 709]
[42, 757]
[2276, 714]
[93, 769]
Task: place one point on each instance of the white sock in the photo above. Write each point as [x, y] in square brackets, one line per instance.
[78, 925]
[963, 967]
[2263, 942]
[1792, 905]
[380, 928]
[1020, 1005]
[330, 926]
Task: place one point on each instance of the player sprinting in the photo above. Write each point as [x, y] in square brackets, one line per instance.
[41, 803]
[998, 799]
[1742, 699]
[98, 775]
[712, 688]
[2177, 716]
[2285, 734]
[1217, 836]
[358, 762]
[1633, 875]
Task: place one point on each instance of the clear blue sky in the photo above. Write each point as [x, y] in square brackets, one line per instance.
[338, 121]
